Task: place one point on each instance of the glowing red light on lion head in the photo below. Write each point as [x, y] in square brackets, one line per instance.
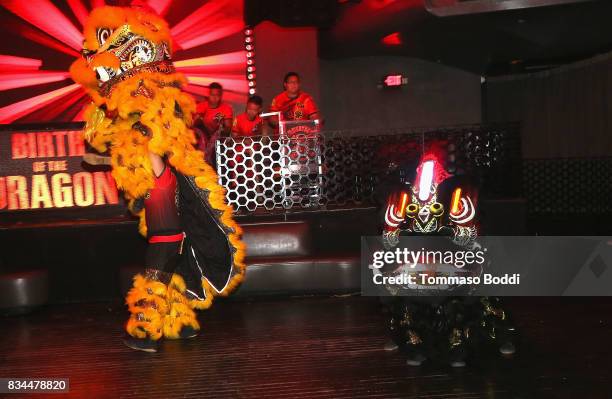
[430, 173]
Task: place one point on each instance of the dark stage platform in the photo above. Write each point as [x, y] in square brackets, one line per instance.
[310, 347]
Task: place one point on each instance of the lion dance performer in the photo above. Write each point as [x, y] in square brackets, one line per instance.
[442, 322]
[140, 115]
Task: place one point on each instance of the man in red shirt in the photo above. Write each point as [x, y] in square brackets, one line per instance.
[304, 149]
[214, 117]
[294, 104]
[249, 123]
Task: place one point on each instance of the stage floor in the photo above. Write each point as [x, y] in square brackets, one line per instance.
[306, 348]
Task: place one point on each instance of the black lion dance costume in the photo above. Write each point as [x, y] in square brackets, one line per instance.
[440, 321]
[139, 114]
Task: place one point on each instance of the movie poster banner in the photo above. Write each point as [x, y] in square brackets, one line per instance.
[43, 177]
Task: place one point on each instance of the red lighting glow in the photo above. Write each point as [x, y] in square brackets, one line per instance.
[15, 80]
[9, 62]
[35, 93]
[394, 39]
[78, 9]
[48, 18]
[213, 21]
[160, 6]
[12, 112]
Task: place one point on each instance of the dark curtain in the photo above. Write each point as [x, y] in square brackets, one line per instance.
[565, 112]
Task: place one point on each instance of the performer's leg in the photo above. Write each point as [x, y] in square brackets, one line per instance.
[387, 304]
[498, 326]
[157, 303]
[181, 320]
[456, 314]
[147, 305]
[407, 325]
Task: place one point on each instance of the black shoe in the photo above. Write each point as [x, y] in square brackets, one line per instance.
[458, 363]
[507, 349]
[416, 359]
[458, 357]
[141, 344]
[390, 346]
[188, 332]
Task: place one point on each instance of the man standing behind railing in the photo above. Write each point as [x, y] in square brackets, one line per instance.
[293, 104]
[214, 118]
[303, 161]
[247, 124]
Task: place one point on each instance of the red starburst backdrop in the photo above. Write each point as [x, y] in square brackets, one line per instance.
[41, 38]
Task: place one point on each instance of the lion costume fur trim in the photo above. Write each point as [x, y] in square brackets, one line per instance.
[158, 310]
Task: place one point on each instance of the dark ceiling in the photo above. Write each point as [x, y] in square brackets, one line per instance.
[488, 43]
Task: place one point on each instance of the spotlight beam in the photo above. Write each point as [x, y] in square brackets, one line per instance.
[208, 33]
[35, 35]
[198, 16]
[16, 80]
[13, 63]
[48, 18]
[16, 110]
[212, 21]
[79, 10]
[56, 108]
[237, 84]
[236, 57]
[160, 6]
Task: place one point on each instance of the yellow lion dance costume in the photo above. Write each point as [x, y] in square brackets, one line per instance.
[138, 107]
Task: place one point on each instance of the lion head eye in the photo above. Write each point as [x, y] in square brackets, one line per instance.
[87, 53]
[102, 34]
[436, 209]
[412, 210]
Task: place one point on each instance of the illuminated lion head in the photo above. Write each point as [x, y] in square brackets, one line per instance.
[138, 105]
[119, 43]
[428, 205]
